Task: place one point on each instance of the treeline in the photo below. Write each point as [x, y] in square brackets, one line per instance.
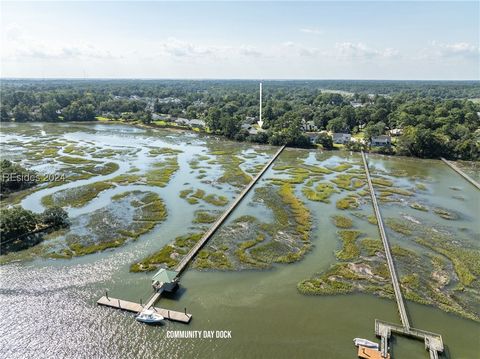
[21, 229]
[14, 177]
[434, 121]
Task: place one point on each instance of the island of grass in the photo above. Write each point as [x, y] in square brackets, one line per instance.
[195, 196]
[245, 243]
[127, 217]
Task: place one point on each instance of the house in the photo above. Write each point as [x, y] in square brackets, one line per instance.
[159, 116]
[356, 104]
[250, 120]
[382, 140]
[341, 138]
[249, 128]
[308, 126]
[182, 121]
[396, 132]
[197, 123]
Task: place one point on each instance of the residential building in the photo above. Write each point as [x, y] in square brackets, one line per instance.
[308, 126]
[382, 140]
[396, 132]
[341, 138]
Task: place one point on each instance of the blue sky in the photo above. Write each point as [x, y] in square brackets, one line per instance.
[305, 40]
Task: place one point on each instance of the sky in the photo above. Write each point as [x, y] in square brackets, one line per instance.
[241, 40]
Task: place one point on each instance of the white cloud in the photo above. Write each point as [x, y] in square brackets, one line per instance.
[313, 31]
[462, 49]
[360, 50]
[16, 45]
[291, 48]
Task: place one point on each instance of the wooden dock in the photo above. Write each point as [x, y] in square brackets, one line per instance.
[173, 315]
[196, 248]
[433, 342]
[369, 353]
[460, 172]
[177, 316]
[386, 246]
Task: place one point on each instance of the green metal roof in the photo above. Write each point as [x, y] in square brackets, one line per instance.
[165, 276]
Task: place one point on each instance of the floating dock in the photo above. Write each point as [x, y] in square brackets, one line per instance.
[460, 172]
[182, 317]
[369, 353]
[433, 342]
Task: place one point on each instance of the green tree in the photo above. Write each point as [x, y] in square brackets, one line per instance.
[214, 119]
[15, 222]
[54, 216]
[325, 141]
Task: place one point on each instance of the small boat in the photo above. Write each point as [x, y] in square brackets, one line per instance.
[365, 343]
[150, 317]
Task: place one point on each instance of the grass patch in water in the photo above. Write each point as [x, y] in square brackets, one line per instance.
[371, 246]
[349, 249]
[212, 259]
[445, 214]
[397, 191]
[342, 221]
[76, 197]
[418, 206]
[349, 202]
[75, 160]
[300, 213]
[219, 201]
[152, 262]
[399, 226]
[341, 167]
[162, 172]
[321, 193]
[382, 182]
[125, 179]
[204, 217]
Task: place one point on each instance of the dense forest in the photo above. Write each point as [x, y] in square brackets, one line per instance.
[436, 118]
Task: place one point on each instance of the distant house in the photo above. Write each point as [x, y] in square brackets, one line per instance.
[249, 128]
[341, 138]
[182, 121]
[308, 126]
[382, 140]
[396, 132]
[197, 123]
[159, 116]
[356, 104]
[250, 120]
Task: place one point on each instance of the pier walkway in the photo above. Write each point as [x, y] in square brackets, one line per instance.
[386, 246]
[433, 342]
[460, 172]
[183, 264]
[191, 254]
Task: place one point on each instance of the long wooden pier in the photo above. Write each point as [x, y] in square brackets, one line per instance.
[433, 342]
[177, 316]
[460, 172]
[386, 246]
[191, 254]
